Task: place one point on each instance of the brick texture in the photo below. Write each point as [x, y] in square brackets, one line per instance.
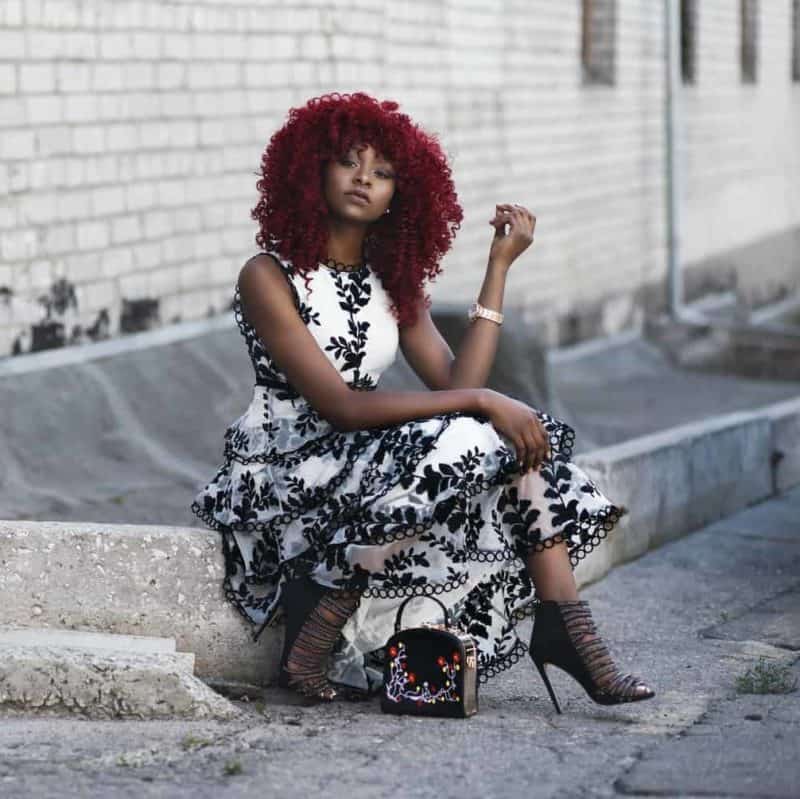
[130, 132]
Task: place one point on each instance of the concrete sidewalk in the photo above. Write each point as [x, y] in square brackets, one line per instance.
[689, 616]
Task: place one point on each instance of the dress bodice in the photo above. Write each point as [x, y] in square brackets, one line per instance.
[347, 312]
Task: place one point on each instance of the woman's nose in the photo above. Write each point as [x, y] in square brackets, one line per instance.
[362, 173]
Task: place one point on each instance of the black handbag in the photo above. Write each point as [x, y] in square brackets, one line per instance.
[430, 670]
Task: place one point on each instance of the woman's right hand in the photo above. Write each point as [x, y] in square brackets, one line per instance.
[519, 423]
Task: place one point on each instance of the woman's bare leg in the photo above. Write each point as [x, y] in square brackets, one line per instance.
[549, 568]
[551, 573]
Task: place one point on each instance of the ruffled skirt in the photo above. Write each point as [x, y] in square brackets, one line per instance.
[431, 507]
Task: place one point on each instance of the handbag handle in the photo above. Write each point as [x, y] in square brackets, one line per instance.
[407, 599]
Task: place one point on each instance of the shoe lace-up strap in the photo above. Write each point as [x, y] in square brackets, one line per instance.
[306, 661]
[579, 622]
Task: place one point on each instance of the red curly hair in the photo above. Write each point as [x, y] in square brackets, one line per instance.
[403, 247]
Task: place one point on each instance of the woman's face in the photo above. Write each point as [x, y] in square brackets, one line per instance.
[359, 169]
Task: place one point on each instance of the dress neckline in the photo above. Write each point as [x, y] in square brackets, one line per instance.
[358, 270]
[364, 268]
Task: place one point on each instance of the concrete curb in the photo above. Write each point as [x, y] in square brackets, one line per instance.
[102, 684]
[166, 581]
[679, 480]
[83, 640]
[130, 580]
[113, 347]
[785, 425]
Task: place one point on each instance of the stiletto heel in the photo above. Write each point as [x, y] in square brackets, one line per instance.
[546, 679]
[565, 635]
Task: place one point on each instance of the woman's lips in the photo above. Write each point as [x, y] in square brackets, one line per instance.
[358, 198]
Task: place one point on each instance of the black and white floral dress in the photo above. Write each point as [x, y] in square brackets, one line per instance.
[433, 506]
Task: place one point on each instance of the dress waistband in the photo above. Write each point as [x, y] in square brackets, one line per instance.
[267, 384]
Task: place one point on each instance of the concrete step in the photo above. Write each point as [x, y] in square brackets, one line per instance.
[131, 580]
[90, 640]
[718, 335]
[101, 676]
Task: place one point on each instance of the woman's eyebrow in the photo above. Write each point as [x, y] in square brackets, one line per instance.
[380, 158]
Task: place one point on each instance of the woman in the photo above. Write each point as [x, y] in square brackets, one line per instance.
[336, 500]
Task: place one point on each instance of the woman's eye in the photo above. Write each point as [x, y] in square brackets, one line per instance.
[381, 172]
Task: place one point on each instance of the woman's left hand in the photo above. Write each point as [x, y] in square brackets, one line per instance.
[506, 247]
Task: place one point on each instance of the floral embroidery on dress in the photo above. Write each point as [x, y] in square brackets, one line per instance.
[432, 506]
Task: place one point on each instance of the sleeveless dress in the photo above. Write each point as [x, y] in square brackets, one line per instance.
[433, 507]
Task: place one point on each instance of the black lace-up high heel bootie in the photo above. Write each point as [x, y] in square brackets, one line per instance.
[565, 635]
[315, 615]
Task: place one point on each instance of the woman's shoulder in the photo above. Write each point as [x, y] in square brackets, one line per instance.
[283, 262]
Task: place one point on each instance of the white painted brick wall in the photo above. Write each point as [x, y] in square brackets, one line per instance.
[130, 132]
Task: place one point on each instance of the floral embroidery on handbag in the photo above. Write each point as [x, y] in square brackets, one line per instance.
[402, 683]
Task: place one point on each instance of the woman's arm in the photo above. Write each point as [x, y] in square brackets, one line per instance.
[476, 352]
[423, 345]
[429, 355]
[268, 304]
